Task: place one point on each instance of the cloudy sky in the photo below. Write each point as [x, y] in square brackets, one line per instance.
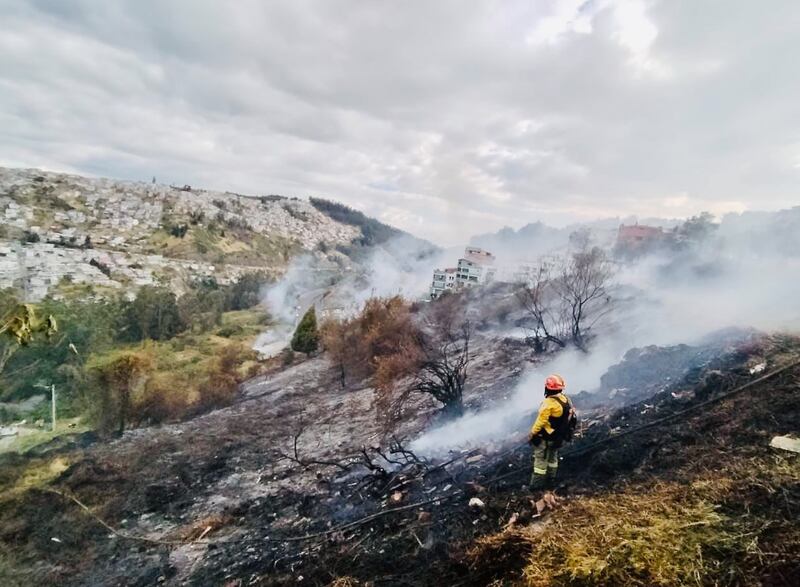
[445, 118]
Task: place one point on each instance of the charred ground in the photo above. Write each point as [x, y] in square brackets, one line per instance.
[238, 505]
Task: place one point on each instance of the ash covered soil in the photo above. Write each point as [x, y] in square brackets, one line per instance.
[230, 470]
[298, 483]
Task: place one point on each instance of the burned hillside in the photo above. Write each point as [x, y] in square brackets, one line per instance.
[644, 372]
[366, 294]
[298, 483]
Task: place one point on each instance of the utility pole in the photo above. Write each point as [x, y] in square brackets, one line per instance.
[53, 401]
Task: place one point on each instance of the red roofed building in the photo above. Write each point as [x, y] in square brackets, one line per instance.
[637, 236]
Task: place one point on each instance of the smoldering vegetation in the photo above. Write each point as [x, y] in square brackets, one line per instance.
[345, 468]
[702, 278]
[707, 287]
[339, 286]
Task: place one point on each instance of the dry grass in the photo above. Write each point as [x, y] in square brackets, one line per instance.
[190, 373]
[658, 534]
[660, 538]
[37, 474]
[203, 527]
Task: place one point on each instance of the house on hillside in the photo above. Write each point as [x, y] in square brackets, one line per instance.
[476, 267]
[443, 280]
[634, 238]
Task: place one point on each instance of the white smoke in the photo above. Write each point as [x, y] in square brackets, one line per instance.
[663, 299]
[299, 288]
[477, 429]
[402, 266]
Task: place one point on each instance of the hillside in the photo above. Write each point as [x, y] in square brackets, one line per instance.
[58, 231]
[298, 482]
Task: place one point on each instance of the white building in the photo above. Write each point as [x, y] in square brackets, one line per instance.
[476, 267]
[443, 280]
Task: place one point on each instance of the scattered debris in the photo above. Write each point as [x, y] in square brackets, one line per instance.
[550, 499]
[786, 443]
[203, 534]
[683, 394]
[473, 488]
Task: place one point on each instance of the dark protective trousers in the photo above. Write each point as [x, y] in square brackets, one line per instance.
[545, 464]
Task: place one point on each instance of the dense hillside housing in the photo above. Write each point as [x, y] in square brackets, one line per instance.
[58, 231]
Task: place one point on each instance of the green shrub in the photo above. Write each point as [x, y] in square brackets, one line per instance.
[246, 292]
[153, 314]
[179, 230]
[230, 330]
[306, 336]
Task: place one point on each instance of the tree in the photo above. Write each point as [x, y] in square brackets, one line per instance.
[401, 353]
[338, 339]
[538, 298]
[83, 328]
[582, 286]
[222, 378]
[356, 346]
[306, 336]
[202, 306]
[564, 300]
[115, 382]
[432, 360]
[442, 368]
[246, 292]
[697, 228]
[153, 314]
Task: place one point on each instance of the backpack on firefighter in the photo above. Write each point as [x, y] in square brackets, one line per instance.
[564, 425]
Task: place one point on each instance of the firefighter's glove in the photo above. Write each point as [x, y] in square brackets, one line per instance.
[534, 440]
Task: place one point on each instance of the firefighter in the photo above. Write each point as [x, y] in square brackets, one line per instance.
[553, 426]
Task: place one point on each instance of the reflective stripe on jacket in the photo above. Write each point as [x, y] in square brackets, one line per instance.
[549, 410]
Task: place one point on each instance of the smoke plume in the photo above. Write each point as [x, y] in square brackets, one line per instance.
[746, 275]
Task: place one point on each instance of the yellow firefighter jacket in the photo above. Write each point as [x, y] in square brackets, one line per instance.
[550, 408]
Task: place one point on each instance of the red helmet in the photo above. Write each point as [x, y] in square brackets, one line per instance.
[554, 383]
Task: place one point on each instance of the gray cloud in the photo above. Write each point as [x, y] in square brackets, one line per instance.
[443, 118]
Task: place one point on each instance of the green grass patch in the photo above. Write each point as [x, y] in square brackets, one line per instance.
[30, 438]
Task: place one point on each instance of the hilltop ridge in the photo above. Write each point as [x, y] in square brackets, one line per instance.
[58, 229]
